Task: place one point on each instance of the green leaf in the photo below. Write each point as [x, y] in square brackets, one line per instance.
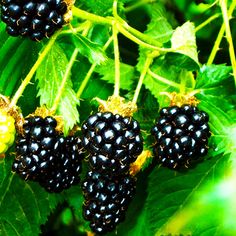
[49, 75]
[212, 76]
[107, 72]
[171, 192]
[159, 27]
[156, 86]
[216, 87]
[183, 41]
[24, 206]
[100, 7]
[87, 48]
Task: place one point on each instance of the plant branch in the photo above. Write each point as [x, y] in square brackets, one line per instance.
[117, 60]
[138, 4]
[223, 5]
[143, 37]
[65, 77]
[127, 34]
[163, 80]
[123, 27]
[29, 76]
[206, 22]
[91, 17]
[220, 35]
[91, 70]
[147, 64]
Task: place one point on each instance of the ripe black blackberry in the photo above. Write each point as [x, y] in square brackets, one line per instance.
[106, 200]
[113, 142]
[44, 156]
[34, 19]
[181, 135]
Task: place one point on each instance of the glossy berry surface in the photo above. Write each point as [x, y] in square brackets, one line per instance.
[113, 142]
[181, 135]
[7, 131]
[46, 157]
[106, 200]
[33, 18]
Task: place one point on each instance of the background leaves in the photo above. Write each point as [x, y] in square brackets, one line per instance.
[166, 201]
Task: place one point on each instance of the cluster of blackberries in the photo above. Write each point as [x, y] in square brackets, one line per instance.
[113, 143]
[35, 19]
[181, 135]
[46, 157]
[106, 200]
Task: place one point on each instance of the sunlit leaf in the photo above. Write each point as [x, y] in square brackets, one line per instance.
[183, 41]
[89, 49]
[107, 72]
[49, 76]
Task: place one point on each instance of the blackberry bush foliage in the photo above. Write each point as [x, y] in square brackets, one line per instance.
[106, 200]
[44, 156]
[138, 51]
[113, 142]
[181, 135]
[33, 19]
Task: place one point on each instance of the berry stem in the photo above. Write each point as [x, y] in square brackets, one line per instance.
[138, 4]
[29, 76]
[123, 27]
[140, 42]
[163, 80]
[143, 37]
[220, 35]
[206, 22]
[91, 70]
[65, 77]
[223, 5]
[116, 52]
[147, 64]
[91, 17]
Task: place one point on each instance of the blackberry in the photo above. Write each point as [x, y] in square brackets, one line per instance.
[181, 135]
[7, 131]
[106, 200]
[34, 19]
[112, 141]
[46, 157]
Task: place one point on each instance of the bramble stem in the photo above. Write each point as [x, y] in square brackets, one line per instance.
[143, 37]
[91, 70]
[138, 4]
[117, 60]
[206, 22]
[223, 5]
[122, 26]
[163, 80]
[116, 51]
[29, 76]
[147, 64]
[220, 35]
[65, 77]
[91, 17]
[130, 36]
